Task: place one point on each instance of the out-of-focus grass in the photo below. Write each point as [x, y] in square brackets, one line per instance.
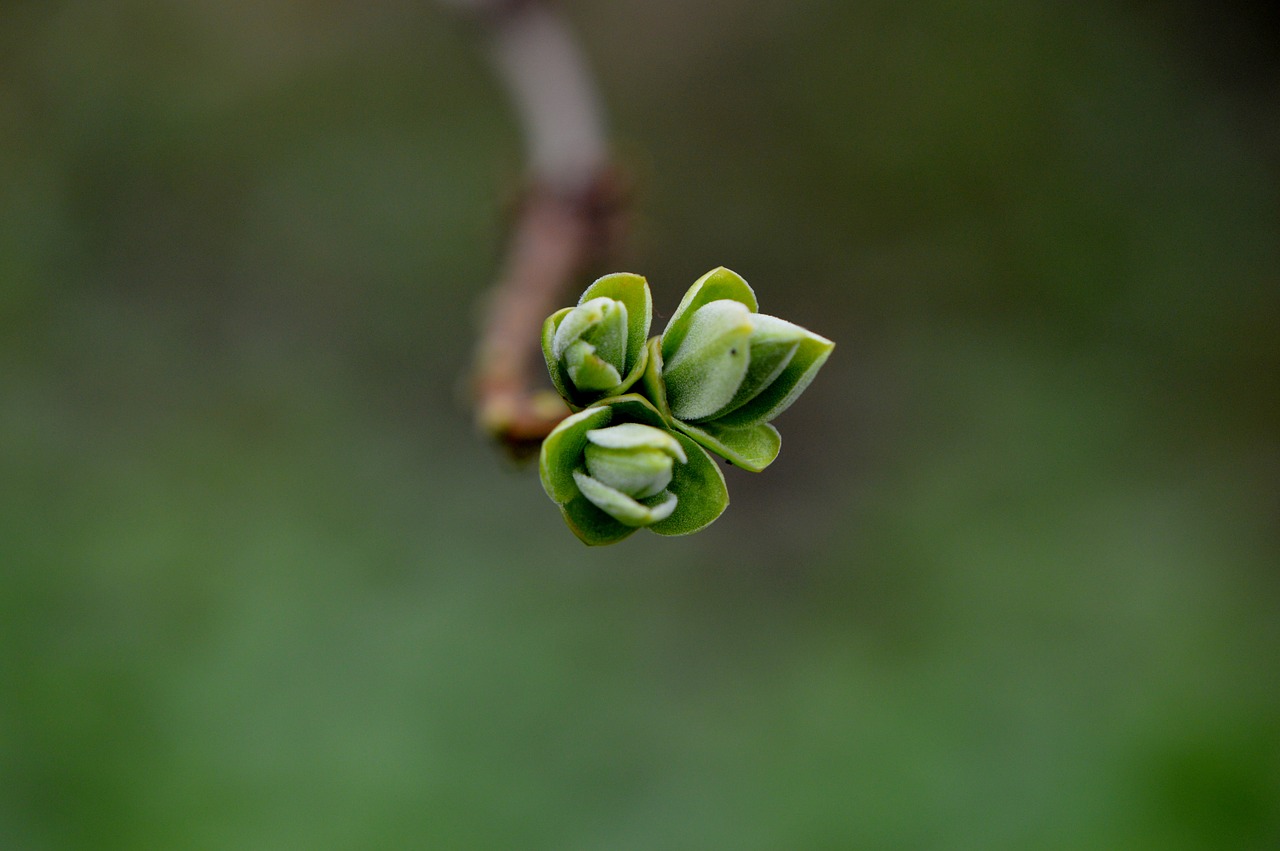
[1011, 584]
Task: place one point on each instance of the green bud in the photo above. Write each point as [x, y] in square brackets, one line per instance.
[632, 458]
[728, 357]
[626, 464]
[708, 367]
[591, 343]
[596, 349]
[616, 467]
[723, 370]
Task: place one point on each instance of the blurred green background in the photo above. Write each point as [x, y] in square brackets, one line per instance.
[1012, 583]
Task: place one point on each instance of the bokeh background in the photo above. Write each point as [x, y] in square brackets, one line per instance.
[1013, 582]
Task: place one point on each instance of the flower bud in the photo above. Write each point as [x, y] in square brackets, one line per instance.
[615, 467]
[591, 343]
[628, 463]
[596, 349]
[728, 357]
[722, 371]
[632, 458]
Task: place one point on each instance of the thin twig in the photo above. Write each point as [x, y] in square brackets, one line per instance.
[567, 221]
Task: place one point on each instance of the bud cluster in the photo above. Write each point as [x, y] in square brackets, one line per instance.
[648, 411]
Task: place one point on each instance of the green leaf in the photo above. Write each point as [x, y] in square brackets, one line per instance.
[619, 346]
[638, 474]
[637, 436]
[719, 283]
[708, 366]
[699, 486]
[625, 509]
[632, 291]
[561, 452]
[587, 370]
[653, 385]
[695, 497]
[591, 343]
[610, 338]
[752, 447]
[558, 376]
[633, 458]
[768, 360]
[587, 321]
[633, 408]
[786, 388]
[592, 526]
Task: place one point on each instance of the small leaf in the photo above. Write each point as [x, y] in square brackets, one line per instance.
[621, 507]
[632, 291]
[637, 436]
[580, 320]
[612, 318]
[752, 447]
[562, 450]
[636, 472]
[768, 360]
[787, 387]
[705, 372]
[654, 387]
[592, 526]
[633, 458]
[699, 484]
[610, 337]
[587, 370]
[554, 367]
[719, 283]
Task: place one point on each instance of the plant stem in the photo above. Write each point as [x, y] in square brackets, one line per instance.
[569, 218]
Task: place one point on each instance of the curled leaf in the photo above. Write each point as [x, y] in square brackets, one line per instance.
[597, 349]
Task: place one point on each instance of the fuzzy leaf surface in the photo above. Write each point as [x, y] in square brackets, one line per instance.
[562, 450]
[633, 291]
[752, 447]
[719, 283]
[707, 368]
[699, 484]
[811, 354]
